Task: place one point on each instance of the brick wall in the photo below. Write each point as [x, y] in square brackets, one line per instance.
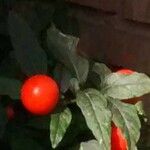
[107, 5]
[135, 10]
[116, 32]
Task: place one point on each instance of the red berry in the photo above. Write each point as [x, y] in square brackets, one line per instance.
[40, 94]
[129, 72]
[118, 141]
[125, 71]
[10, 112]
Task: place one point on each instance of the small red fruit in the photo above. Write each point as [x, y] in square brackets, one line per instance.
[10, 112]
[40, 94]
[125, 71]
[129, 72]
[118, 141]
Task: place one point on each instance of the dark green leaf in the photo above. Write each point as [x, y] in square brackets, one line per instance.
[126, 118]
[74, 85]
[63, 47]
[101, 69]
[28, 52]
[63, 76]
[98, 118]
[97, 74]
[58, 126]
[76, 131]
[93, 80]
[126, 86]
[90, 145]
[10, 87]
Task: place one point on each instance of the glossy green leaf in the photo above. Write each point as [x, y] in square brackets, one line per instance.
[126, 118]
[10, 87]
[58, 126]
[120, 86]
[63, 47]
[28, 52]
[98, 118]
[90, 145]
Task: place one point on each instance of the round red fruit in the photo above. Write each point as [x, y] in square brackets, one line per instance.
[40, 94]
[118, 141]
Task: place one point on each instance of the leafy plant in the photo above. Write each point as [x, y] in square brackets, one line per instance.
[90, 93]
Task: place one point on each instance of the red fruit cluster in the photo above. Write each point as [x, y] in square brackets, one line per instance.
[40, 94]
[118, 141]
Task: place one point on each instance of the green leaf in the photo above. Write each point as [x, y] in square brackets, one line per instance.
[98, 118]
[126, 118]
[101, 69]
[10, 87]
[63, 76]
[97, 74]
[93, 80]
[140, 108]
[28, 52]
[58, 126]
[90, 145]
[74, 85]
[120, 86]
[63, 47]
